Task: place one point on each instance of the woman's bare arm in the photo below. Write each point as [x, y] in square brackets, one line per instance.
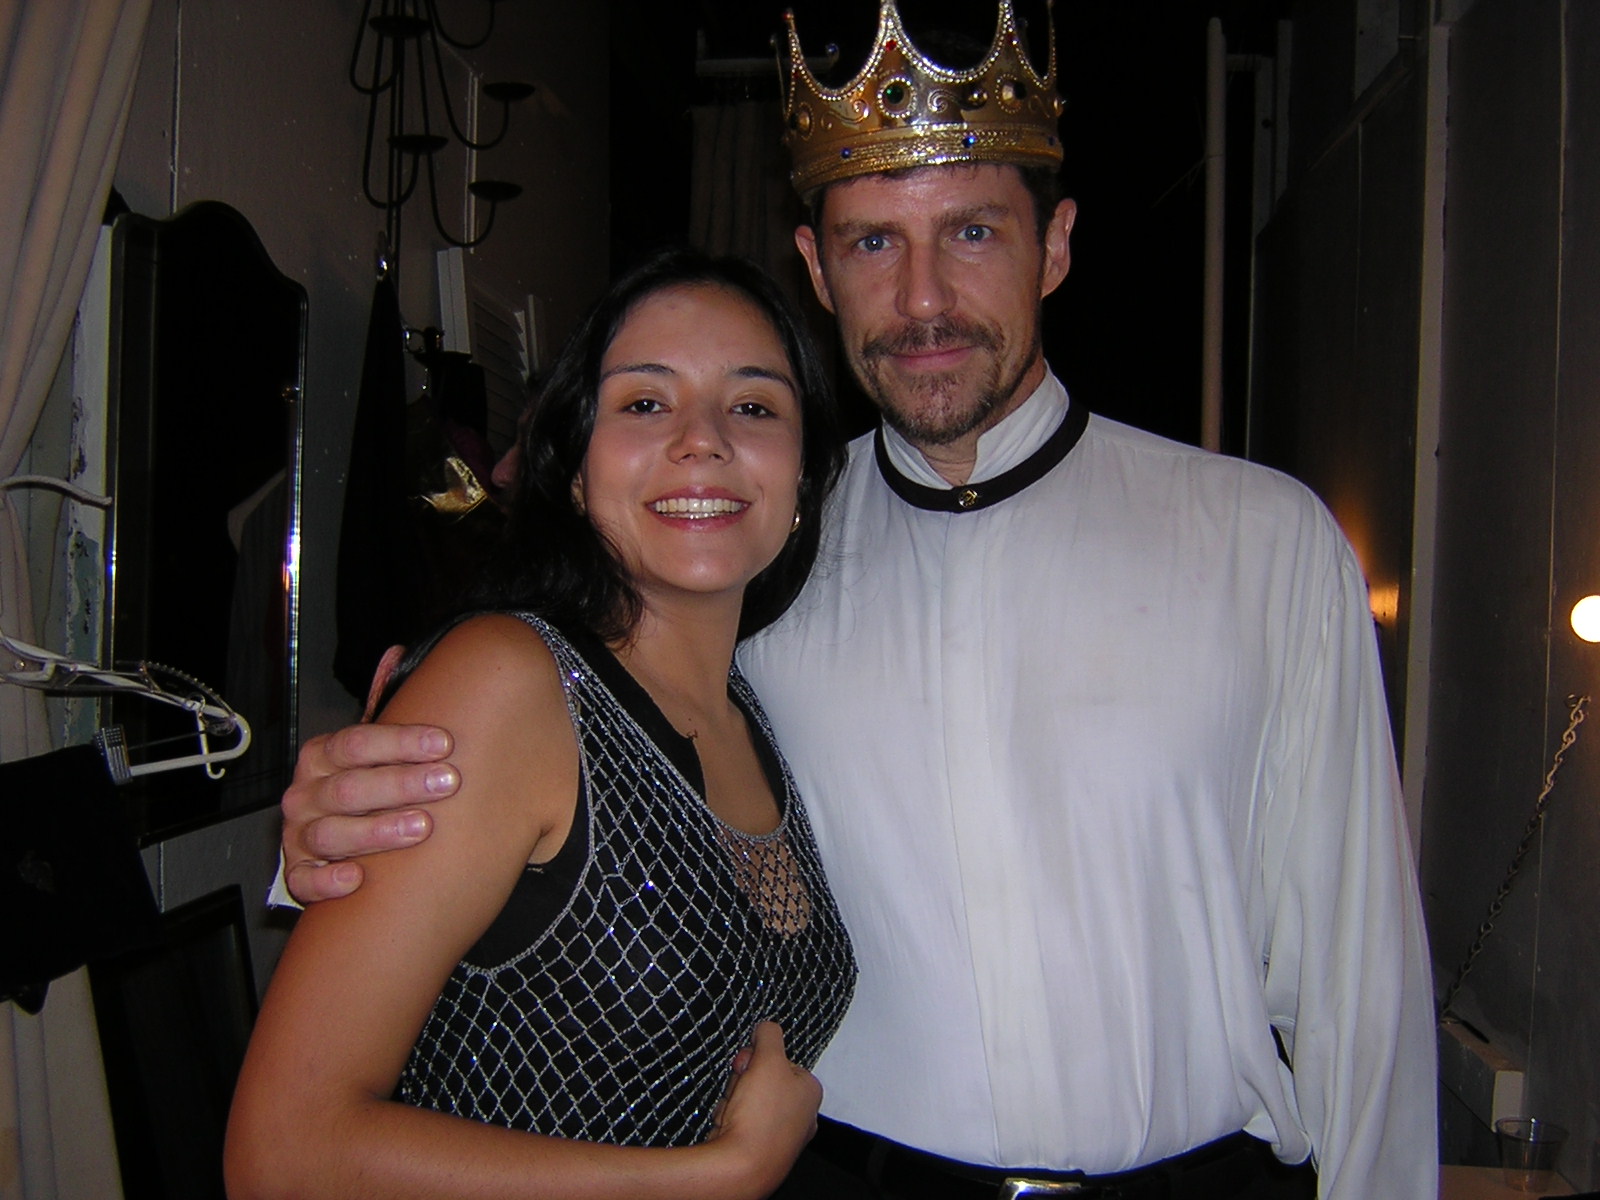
[312, 1115]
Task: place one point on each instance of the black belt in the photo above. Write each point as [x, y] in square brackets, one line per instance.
[1219, 1169]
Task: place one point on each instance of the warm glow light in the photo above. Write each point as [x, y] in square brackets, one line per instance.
[1586, 618]
[1385, 603]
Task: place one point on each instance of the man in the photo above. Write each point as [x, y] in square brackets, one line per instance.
[1089, 724]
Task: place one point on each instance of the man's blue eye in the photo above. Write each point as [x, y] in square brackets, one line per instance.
[873, 242]
[976, 233]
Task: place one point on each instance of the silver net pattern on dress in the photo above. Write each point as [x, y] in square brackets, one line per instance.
[620, 1021]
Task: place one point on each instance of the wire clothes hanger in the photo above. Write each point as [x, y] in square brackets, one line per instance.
[35, 667]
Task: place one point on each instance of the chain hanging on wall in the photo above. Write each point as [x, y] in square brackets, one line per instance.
[1575, 716]
[404, 74]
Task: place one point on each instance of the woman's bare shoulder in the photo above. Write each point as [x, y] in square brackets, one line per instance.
[494, 684]
[483, 663]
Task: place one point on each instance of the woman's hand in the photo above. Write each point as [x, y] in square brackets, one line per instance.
[770, 1111]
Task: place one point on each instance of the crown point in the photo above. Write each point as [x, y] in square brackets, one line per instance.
[904, 108]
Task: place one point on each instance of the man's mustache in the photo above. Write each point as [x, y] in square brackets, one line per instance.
[943, 333]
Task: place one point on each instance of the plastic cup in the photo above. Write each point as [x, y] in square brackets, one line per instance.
[1529, 1148]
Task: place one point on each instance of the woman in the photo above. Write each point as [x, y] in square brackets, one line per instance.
[609, 953]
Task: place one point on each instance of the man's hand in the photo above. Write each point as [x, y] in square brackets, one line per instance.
[354, 793]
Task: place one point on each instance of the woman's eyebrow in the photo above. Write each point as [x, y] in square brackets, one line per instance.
[754, 371]
[638, 368]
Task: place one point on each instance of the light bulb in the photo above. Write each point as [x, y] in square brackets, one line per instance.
[1586, 618]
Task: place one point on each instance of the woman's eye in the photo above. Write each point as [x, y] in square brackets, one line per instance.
[644, 404]
[753, 408]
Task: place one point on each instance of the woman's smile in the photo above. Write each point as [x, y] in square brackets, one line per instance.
[698, 507]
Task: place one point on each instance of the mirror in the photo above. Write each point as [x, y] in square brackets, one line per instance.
[207, 365]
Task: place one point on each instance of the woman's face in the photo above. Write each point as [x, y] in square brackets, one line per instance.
[694, 465]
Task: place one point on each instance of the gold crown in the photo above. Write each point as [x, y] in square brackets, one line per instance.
[904, 110]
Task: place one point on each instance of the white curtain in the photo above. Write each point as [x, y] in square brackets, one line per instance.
[67, 69]
[740, 201]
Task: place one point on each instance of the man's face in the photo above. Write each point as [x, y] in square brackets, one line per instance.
[936, 277]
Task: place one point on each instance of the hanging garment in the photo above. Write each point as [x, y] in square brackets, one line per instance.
[378, 551]
[72, 886]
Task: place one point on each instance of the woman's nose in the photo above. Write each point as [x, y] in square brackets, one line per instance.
[702, 434]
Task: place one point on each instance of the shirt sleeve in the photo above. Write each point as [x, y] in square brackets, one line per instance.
[1348, 979]
[278, 894]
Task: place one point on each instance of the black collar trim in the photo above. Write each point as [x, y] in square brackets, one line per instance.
[970, 497]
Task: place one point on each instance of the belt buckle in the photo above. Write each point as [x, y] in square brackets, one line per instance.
[1014, 1187]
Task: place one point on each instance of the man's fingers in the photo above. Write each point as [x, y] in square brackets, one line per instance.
[353, 836]
[309, 882]
[367, 789]
[373, 746]
[386, 788]
[355, 792]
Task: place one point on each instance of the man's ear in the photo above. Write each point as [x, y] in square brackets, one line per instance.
[805, 240]
[1057, 250]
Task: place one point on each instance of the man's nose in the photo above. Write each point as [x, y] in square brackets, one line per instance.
[925, 291]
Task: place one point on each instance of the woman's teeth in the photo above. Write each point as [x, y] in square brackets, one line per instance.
[695, 507]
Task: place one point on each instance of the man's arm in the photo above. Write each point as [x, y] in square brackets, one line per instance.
[355, 793]
[1349, 981]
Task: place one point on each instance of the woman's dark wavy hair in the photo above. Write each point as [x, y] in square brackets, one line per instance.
[551, 559]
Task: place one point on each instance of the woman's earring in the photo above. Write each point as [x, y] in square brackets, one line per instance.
[796, 523]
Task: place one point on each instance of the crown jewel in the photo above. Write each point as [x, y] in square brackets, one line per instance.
[904, 110]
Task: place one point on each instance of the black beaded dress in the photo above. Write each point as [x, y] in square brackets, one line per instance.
[608, 999]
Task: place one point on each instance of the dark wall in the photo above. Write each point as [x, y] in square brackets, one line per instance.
[1489, 705]
[1564, 1033]
[1323, 71]
[1338, 318]
[1518, 499]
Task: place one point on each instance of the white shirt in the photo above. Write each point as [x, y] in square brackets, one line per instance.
[1102, 779]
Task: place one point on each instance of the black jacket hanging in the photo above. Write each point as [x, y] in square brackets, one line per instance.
[379, 556]
[72, 885]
